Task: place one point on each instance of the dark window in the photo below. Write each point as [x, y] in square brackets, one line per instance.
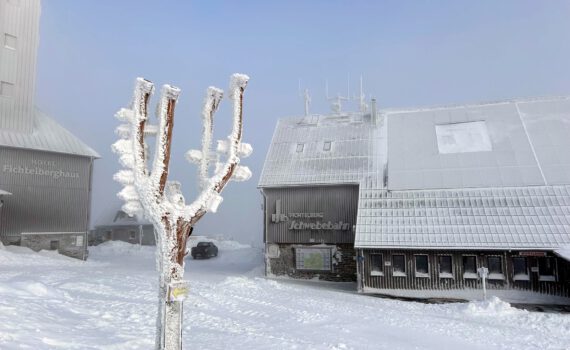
[469, 264]
[327, 146]
[376, 263]
[422, 266]
[132, 235]
[546, 266]
[445, 266]
[495, 264]
[300, 147]
[520, 267]
[399, 264]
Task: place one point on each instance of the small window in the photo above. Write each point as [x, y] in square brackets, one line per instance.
[495, 266]
[422, 266]
[520, 269]
[376, 265]
[327, 146]
[78, 241]
[300, 147]
[6, 89]
[470, 267]
[546, 269]
[132, 235]
[445, 266]
[10, 41]
[399, 265]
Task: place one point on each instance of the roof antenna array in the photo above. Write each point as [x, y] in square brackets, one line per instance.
[336, 105]
[306, 97]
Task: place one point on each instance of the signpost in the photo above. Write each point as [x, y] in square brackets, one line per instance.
[483, 273]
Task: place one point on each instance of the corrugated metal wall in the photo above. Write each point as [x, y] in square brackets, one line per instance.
[50, 192]
[337, 203]
[20, 21]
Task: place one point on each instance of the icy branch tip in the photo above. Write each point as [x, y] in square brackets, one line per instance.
[171, 92]
[144, 84]
[238, 81]
[215, 92]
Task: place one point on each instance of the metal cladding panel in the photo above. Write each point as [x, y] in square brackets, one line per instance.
[291, 211]
[50, 192]
[19, 37]
[416, 159]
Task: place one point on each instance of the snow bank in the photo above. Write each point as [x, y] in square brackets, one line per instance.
[220, 242]
[492, 306]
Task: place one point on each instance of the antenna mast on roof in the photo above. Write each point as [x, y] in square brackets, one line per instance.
[306, 97]
[336, 105]
[361, 98]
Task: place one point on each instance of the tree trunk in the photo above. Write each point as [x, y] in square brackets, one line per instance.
[168, 321]
[173, 325]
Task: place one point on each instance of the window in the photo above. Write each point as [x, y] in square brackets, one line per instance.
[313, 259]
[132, 235]
[10, 41]
[327, 146]
[520, 269]
[300, 147]
[463, 137]
[422, 266]
[6, 89]
[399, 265]
[546, 269]
[445, 266]
[78, 241]
[495, 266]
[470, 266]
[376, 265]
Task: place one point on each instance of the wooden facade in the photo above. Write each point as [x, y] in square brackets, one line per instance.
[390, 277]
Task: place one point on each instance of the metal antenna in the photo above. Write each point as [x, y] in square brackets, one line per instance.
[306, 97]
[361, 98]
[336, 105]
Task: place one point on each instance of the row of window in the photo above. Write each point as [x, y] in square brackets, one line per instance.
[445, 268]
[326, 146]
[6, 88]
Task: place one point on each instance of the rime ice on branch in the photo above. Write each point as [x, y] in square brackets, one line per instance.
[148, 191]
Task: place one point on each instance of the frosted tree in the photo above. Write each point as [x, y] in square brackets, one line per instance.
[147, 190]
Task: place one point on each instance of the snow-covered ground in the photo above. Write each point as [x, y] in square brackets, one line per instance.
[48, 301]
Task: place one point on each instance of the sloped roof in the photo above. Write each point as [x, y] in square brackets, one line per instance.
[48, 136]
[508, 143]
[298, 154]
[533, 217]
[114, 216]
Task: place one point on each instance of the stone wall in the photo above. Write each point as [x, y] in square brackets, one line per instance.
[343, 270]
[72, 245]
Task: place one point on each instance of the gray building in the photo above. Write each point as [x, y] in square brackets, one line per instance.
[47, 170]
[118, 226]
[441, 192]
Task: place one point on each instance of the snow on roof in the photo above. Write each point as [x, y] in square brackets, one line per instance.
[533, 217]
[116, 217]
[47, 136]
[510, 143]
[4, 193]
[334, 149]
[564, 252]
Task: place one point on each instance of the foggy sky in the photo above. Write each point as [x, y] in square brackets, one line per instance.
[411, 53]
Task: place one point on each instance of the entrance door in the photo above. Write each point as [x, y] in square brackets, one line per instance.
[54, 245]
